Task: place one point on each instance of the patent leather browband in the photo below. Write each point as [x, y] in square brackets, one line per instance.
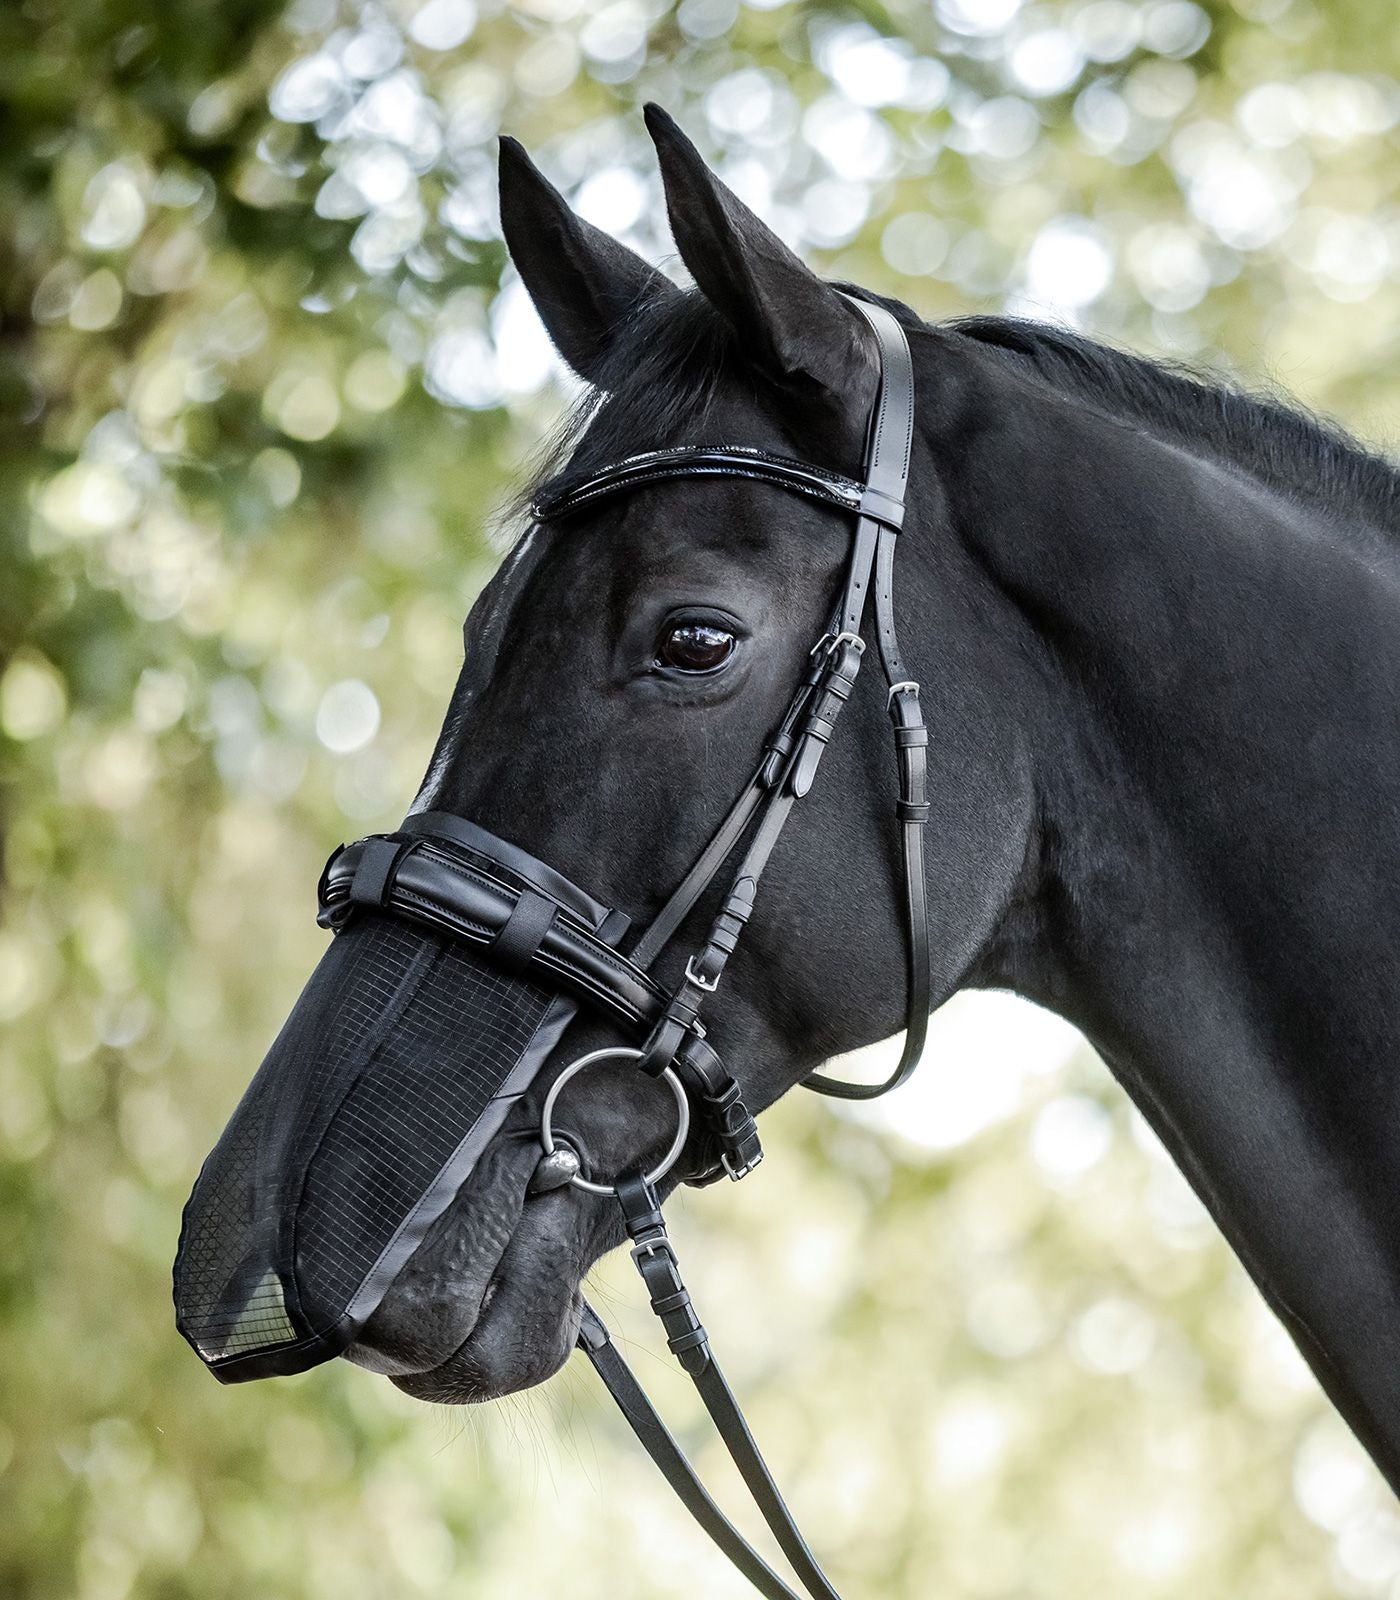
[723, 461]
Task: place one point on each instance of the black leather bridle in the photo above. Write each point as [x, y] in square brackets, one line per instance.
[522, 917]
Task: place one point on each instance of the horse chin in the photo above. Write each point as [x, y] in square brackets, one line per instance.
[482, 1311]
[522, 1336]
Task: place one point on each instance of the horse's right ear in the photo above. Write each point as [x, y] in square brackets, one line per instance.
[585, 285]
[792, 326]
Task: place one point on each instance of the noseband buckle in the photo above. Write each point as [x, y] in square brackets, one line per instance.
[735, 1170]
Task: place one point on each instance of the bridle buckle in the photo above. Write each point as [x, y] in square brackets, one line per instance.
[830, 643]
[736, 1170]
[709, 985]
[659, 1246]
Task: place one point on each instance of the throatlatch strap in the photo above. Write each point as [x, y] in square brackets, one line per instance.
[912, 812]
[892, 432]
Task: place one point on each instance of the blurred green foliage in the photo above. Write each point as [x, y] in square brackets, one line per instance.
[264, 377]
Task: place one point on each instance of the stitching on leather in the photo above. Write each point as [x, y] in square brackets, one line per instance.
[586, 980]
[446, 915]
[454, 922]
[466, 870]
[740, 451]
[801, 477]
[430, 842]
[823, 491]
[604, 954]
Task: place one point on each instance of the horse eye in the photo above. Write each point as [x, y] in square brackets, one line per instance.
[694, 647]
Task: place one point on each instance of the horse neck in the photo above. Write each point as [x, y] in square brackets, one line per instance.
[1214, 733]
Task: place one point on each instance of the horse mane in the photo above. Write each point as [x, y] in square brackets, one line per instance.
[1309, 458]
[674, 357]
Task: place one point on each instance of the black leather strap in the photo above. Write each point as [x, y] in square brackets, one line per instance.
[651, 1432]
[722, 461]
[656, 1261]
[433, 883]
[912, 812]
[776, 756]
[498, 852]
[662, 928]
[719, 1110]
[890, 455]
[743, 1450]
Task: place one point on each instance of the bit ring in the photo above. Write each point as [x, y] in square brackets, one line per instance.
[617, 1053]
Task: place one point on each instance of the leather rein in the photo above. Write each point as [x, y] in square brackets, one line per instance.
[525, 918]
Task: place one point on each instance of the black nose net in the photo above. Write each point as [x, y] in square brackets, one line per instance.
[397, 1065]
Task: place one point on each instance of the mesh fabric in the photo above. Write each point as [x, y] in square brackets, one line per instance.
[397, 1064]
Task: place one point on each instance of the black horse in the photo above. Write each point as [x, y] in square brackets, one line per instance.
[1158, 627]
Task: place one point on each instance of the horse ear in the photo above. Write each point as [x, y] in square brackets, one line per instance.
[801, 332]
[585, 284]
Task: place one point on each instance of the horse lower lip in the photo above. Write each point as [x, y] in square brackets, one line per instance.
[450, 1380]
[387, 1365]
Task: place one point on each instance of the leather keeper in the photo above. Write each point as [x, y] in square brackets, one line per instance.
[523, 932]
[883, 508]
[374, 872]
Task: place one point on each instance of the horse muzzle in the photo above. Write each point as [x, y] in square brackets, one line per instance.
[399, 1063]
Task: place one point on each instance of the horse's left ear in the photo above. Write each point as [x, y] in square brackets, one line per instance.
[799, 330]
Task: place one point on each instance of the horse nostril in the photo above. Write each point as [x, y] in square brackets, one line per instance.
[555, 1169]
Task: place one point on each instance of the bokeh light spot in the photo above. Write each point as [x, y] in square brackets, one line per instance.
[347, 717]
[443, 24]
[375, 381]
[1069, 1136]
[114, 209]
[1046, 62]
[97, 303]
[33, 696]
[1069, 266]
[89, 498]
[1114, 1336]
[309, 89]
[977, 16]
[303, 404]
